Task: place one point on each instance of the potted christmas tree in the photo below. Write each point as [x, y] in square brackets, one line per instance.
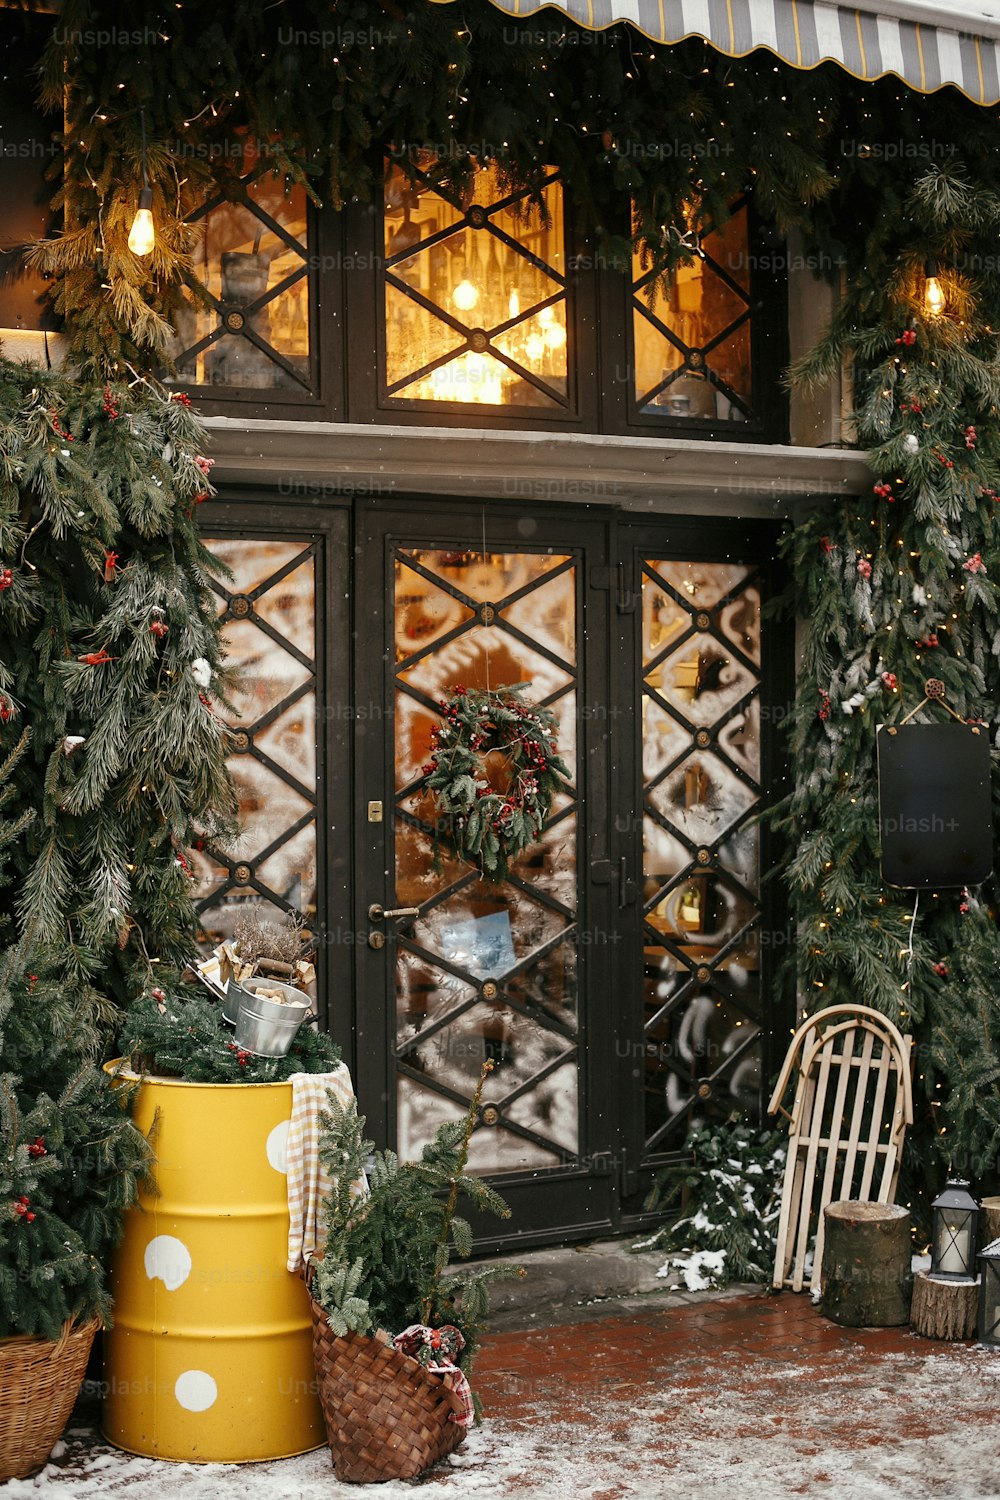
[394, 1337]
[70, 1163]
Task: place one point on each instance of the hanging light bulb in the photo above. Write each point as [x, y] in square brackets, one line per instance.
[934, 298]
[466, 294]
[142, 235]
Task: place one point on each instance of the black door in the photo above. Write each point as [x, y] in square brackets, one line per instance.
[615, 977]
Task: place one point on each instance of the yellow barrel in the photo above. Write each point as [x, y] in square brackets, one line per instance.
[210, 1356]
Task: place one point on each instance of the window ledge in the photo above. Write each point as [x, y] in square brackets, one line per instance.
[310, 461]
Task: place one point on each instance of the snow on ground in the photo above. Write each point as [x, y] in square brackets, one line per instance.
[733, 1428]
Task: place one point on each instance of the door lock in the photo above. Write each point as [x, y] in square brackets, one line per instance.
[376, 940]
[377, 912]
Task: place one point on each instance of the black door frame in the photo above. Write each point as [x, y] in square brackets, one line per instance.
[604, 1191]
[578, 1197]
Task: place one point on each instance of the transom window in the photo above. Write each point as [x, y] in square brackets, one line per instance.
[247, 322]
[692, 344]
[475, 291]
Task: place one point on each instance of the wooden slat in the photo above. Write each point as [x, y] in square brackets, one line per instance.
[814, 1128]
[845, 1062]
[857, 1116]
[877, 1121]
[791, 1187]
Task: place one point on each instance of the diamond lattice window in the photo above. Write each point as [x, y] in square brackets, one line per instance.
[250, 327]
[475, 300]
[692, 342]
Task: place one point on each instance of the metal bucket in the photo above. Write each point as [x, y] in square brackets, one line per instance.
[264, 1027]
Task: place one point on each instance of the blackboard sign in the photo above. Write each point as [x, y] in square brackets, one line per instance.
[935, 814]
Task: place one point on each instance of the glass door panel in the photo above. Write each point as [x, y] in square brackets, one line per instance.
[700, 753]
[485, 970]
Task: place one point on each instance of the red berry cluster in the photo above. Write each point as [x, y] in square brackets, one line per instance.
[884, 490]
[242, 1057]
[38, 1148]
[182, 397]
[6, 578]
[944, 459]
[931, 641]
[824, 705]
[110, 407]
[826, 544]
[7, 709]
[864, 567]
[911, 406]
[975, 564]
[22, 1210]
[908, 337]
[58, 428]
[206, 465]
[889, 681]
[941, 970]
[970, 437]
[159, 628]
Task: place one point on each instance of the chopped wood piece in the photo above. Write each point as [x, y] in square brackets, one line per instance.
[944, 1309]
[866, 1278]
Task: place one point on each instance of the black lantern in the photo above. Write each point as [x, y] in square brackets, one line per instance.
[953, 1251]
[989, 1295]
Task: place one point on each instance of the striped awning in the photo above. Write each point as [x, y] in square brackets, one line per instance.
[926, 44]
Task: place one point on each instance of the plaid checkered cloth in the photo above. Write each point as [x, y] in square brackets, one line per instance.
[308, 1182]
[435, 1348]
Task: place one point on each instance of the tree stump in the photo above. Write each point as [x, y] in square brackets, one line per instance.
[866, 1277]
[944, 1309]
[991, 1220]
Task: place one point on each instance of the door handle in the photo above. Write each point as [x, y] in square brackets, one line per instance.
[376, 912]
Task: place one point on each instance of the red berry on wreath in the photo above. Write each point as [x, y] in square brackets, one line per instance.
[6, 579]
[38, 1149]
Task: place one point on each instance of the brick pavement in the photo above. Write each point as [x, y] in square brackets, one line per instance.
[736, 1373]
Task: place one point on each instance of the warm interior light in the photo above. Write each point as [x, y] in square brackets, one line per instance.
[514, 304]
[466, 295]
[142, 235]
[934, 298]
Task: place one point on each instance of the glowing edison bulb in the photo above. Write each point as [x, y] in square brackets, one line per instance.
[466, 294]
[555, 335]
[934, 298]
[535, 348]
[545, 317]
[514, 304]
[142, 235]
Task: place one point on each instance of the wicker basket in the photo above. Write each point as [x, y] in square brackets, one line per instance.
[39, 1381]
[386, 1416]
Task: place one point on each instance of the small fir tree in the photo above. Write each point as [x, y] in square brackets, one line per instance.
[387, 1250]
[70, 1157]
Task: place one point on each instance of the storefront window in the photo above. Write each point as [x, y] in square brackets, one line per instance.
[251, 326]
[692, 340]
[475, 291]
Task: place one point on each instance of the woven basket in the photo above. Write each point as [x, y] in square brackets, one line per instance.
[386, 1416]
[39, 1381]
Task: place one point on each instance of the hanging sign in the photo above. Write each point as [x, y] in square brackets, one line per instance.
[935, 804]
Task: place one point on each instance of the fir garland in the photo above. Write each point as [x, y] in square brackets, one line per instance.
[652, 142]
[109, 649]
[488, 827]
[898, 586]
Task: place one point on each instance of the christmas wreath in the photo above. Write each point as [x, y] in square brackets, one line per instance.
[481, 824]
